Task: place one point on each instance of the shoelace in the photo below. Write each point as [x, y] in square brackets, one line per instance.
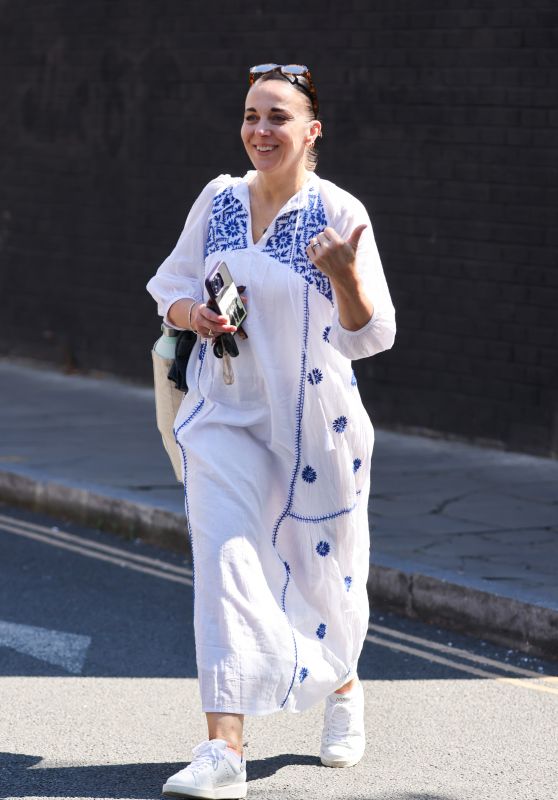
[339, 723]
[207, 754]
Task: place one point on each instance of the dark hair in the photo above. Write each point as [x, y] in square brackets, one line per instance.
[302, 86]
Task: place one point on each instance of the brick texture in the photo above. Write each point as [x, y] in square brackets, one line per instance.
[441, 116]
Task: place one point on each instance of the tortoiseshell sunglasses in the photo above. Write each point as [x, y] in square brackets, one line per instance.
[292, 72]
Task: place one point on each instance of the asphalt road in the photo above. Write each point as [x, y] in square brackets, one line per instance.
[99, 696]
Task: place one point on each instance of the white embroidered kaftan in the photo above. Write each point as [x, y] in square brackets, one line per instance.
[276, 466]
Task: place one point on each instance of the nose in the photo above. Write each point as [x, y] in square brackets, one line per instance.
[261, 131]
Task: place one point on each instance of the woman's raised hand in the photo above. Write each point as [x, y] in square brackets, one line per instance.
[334, 256]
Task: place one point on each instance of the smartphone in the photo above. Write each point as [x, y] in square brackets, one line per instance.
[221, 287]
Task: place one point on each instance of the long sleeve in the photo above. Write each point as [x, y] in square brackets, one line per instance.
[379, 332]
[182, 273]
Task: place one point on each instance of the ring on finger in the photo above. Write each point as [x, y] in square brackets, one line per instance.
[315, 243]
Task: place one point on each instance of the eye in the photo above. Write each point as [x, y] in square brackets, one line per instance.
[279, 118]
[250, 118]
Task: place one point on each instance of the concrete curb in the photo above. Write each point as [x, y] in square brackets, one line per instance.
[504, 620]
[530, 628]
[128, 519]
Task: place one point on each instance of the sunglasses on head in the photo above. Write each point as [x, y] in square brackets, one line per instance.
[292, 72]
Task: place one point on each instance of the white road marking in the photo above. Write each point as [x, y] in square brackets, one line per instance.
[480, 673]
[66, 650]
[90, 544]
[183, 575]
[78, 544]
[458, 652]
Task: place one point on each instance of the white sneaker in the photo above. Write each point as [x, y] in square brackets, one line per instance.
[343, 738]
[214, 773]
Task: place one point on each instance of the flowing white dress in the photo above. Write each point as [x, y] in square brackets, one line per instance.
[276, 466]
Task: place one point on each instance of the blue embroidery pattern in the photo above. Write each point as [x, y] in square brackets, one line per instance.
[280, 245]
[303, 674]
[228, 224]
[203, 350]
[323, 517]
[176, 431]
[315, 376]
[321, 630]
[298, 438]
[357, 463]
[284, 592]
[325, 334]
[323, 548]
[309, 474]
[340, 424]
[228, 230]
[348, 581]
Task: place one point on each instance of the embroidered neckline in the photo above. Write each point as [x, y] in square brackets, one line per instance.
[240, 190]
[287, 238]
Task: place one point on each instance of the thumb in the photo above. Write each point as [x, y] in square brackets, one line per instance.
[354, 238]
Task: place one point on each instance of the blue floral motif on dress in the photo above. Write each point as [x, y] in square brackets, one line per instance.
[348, 581]
[357, 463]
[323, 548]
[340, 424]
[228, 224]
[283, 238]
[353, 379]
[315, 376]
[321, 630]
[311, 221]
[325, 334]
[303, 674]
[309, 474]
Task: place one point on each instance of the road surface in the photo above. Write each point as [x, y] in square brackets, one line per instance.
[99, 697]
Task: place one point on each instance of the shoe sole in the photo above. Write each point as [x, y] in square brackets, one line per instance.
[340, 764]
[219, 793]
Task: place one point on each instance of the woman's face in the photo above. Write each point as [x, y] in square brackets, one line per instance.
[276, 129]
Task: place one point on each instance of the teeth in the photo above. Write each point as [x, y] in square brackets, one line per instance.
[264, 149]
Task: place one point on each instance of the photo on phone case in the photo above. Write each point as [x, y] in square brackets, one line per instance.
[221, 287]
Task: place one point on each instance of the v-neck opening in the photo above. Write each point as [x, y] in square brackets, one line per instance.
[245, 190]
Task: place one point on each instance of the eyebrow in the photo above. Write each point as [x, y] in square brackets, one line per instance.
[275, 108]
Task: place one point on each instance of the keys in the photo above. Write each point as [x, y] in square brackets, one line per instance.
[224, 347]
[228, 373]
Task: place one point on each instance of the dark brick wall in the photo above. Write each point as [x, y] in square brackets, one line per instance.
[441, 116]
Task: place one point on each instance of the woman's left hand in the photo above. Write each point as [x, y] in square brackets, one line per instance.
[334, 256]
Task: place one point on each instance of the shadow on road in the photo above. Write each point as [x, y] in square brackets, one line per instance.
[407, 796]
[21, 778]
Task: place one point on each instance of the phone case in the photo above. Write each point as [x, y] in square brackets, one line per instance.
[223, 291]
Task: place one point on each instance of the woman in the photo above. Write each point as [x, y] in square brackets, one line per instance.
[276, 465]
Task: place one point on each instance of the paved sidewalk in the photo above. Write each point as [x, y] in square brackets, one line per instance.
[460, 534]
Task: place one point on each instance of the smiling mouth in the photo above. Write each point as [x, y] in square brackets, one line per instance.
[265, 148]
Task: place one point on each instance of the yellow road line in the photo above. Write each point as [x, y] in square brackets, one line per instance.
[480, 673]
